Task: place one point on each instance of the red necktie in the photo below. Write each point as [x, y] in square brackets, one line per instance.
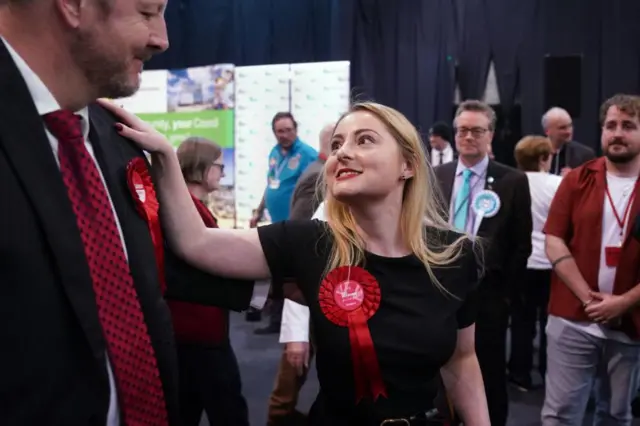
[131, 355]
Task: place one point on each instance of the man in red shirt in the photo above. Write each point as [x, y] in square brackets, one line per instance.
[594, 324]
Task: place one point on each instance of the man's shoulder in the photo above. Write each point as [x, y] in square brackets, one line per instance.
[578, 146]
[585, 171]
[307, 179]
[312, 171]
[506, 169]
[443, 169]
[102, 125]
[508, 173]
[275, 149]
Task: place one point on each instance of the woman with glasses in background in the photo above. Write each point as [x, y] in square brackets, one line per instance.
[533, 156]
[209, 373]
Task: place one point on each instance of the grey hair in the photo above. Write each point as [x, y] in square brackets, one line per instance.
[552, 111]
[473, 105]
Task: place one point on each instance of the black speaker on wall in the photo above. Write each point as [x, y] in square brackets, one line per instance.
[563, 83]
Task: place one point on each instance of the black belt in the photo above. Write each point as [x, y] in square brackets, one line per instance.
[429, 418]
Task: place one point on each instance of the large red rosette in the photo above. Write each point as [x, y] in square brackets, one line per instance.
[147, 205]
[349, 296]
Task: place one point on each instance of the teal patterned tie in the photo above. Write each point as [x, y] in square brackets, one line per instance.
[462, 202]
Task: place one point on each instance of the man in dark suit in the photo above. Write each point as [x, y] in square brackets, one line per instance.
[568, 154]
[86, 335]
[492, 201]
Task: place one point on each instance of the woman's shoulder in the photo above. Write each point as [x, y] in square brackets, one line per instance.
[295, 233]
[311, 228]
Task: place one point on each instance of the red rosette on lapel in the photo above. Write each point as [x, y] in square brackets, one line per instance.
[147, 205]
[348, 297]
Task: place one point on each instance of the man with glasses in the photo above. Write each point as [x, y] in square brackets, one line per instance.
[492, 201]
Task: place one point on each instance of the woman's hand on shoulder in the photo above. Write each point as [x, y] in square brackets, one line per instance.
[137, 130]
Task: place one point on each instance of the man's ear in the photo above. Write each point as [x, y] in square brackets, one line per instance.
[70, 11]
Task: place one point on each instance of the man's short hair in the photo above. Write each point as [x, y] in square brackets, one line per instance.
[442, 130]
[282, 115]
[629, 104]
[550, 112]
[196, 155]
[530, 150]
[473, 105]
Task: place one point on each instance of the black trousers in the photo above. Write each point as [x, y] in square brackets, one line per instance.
[491, 345]
[210, 382]
[531, 311]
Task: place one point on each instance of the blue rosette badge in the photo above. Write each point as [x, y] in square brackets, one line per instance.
[486, 203]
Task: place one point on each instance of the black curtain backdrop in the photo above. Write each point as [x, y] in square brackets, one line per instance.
[605, 34]
[402, 54]
[473, 48]
[407, 53]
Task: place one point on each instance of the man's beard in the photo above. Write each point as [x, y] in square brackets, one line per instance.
[621, 157]
[106, 70]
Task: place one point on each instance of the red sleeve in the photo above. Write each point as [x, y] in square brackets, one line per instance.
[559, 223]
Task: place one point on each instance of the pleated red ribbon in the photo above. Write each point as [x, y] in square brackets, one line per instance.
[147, 205]
[348, 297]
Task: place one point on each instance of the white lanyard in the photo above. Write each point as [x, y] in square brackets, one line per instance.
[277, 170]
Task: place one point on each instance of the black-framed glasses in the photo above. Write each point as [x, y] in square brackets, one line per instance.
[476, 132]
[219, 166]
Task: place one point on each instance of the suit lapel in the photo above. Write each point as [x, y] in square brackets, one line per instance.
[490, 177]
[25, 143]
[113, 154]
[493, 175]
[447, 180]
[113, 157]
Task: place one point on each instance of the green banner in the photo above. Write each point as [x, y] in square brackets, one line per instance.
[216, 125]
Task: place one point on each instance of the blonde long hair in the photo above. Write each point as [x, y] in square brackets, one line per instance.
[422, 202]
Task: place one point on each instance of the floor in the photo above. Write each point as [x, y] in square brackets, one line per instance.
[259, 355]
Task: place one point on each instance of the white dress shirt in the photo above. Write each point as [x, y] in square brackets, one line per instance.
[46, 103]
[294, 326]
[447, 155]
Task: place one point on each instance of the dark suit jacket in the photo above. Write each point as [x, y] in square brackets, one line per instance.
[52, 356]
[577, 154]
[305, 199]
[506, 237]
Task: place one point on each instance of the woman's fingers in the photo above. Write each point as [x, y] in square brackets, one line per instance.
[135, 129]
[127, 118]
[130, 133]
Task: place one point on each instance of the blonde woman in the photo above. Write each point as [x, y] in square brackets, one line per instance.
[391, 300]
